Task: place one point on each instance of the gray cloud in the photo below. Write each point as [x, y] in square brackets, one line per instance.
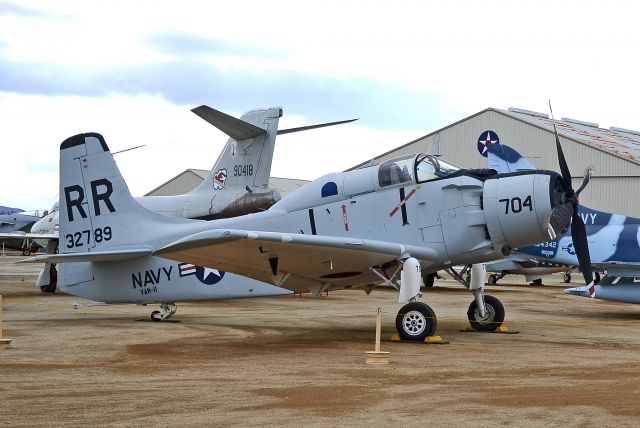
[379, 104]
[185, 45]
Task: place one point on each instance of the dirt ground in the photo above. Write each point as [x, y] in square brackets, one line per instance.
[301, 361]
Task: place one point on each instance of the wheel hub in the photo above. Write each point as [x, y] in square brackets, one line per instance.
[489, 313]
[414, 322]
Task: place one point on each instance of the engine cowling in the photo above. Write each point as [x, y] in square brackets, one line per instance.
[524, 208]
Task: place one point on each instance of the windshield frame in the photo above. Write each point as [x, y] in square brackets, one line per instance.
[441, 168]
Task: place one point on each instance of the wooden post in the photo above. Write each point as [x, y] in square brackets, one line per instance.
[378, 356]
[378, 328]
[3, 340]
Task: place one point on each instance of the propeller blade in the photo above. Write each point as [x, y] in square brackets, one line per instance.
[578, 229]
[581, 246]
[585, 181]
[564, 169]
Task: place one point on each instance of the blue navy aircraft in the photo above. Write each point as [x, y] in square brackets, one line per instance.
[382, 223]
[614, 242]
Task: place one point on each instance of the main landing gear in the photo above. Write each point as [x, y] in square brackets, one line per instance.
[416, 321]
[492, 318]
[166, 311]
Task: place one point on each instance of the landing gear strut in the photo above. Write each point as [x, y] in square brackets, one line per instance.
[165, 312]
[415, 321]
[485, 313]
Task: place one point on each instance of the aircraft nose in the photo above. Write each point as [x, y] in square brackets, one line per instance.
[524, 208]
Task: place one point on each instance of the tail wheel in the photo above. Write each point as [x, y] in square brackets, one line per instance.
[155, 316]
[416, 321]
[494, 314]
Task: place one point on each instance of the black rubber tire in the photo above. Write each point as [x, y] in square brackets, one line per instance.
[493, 279]
[494, 307]
[429, 279]
[566, 277]
[53, 281]
[26, 251]
[536, 282]
[596, 278]
[49, 288]
[153, 318]
[416, 321]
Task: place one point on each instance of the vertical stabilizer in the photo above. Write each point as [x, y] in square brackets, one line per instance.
[246, 158]
[96, 207]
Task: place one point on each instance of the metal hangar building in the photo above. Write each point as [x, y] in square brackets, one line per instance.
[613, 153]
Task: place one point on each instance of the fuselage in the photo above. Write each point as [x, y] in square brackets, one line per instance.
[439, 214]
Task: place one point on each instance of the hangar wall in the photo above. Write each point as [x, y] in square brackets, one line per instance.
[615, 183]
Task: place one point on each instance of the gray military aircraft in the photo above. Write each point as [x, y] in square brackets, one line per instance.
[14, 228]
[237, 184]
[354, 229]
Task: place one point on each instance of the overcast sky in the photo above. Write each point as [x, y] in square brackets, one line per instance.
[132, 70]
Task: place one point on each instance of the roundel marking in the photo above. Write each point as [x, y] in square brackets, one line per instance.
[485, 140]
[208, 276]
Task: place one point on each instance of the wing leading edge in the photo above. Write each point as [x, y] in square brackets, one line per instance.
[294, 261]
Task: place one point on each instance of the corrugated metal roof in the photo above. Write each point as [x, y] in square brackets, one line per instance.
[619, 142]
[282, 185]
[202, 173]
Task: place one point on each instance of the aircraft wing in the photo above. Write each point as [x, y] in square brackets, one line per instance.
[621, 269]
[28, 235]
[298, 262]
[96, 256]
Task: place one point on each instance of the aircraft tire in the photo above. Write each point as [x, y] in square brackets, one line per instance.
[429, 280]
[416, 321]
[26, 252]
[155, 316]
[493, 279]
[494, 318]
[566, 277]
[596, 278]
[49, 288]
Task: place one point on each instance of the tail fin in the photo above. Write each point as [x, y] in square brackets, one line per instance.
[245, 161]
[506, 159]
[97, 212]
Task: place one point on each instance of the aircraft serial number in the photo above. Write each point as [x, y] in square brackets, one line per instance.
[80, 239]
[548, 244]
[516, 204]
[242, 170]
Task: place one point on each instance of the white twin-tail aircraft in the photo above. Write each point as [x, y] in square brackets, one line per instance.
[379, 224]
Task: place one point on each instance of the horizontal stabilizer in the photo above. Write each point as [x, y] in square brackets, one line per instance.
[235, 128]
[306, 128]
[28, 235]
[97, 256]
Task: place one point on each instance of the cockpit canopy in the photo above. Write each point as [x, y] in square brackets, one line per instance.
[413, 168]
